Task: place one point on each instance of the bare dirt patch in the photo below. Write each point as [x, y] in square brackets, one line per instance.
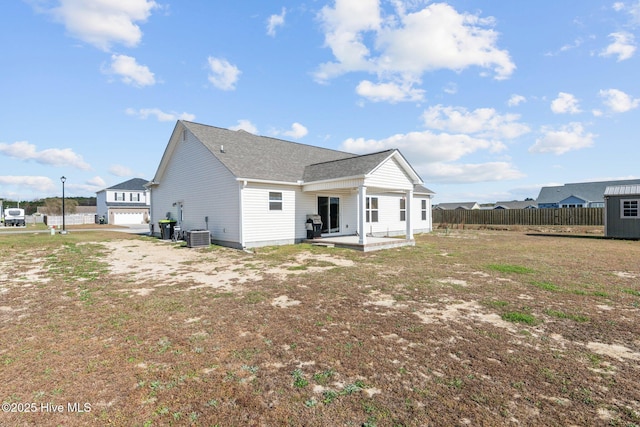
[472, 327]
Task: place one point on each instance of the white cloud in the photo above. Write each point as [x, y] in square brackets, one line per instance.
[568, 138]
[103, 23]
[516, 100]
[52, 156]
[222, 74]
[436, 156]
[565, 103]
[119, 170]
[623, 46]
[246, 126]
[41, 184]
[275, 21]
[484, 122]
[470, 173]
[161, 116]
[451, 88]
[391, 92]
[297, 131]
[97, 181]
[130, 71]
[633, 9]
[406, 45]
[618, 101]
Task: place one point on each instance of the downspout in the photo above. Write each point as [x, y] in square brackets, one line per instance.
[242, 185]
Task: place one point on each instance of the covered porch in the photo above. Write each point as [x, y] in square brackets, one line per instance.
[355, 243]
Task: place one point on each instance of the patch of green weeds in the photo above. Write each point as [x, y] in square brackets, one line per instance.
[328, 396]
[163, 345]
[562, 315]
[455, 383]
[519, 317]
[299, 380]
[495, 303]
[595, 359]
[297, 267]
[546, 286]
[632, 292]
[254, 297]
[246, 354]
[510, 268]
[323, 377]
[251, 369]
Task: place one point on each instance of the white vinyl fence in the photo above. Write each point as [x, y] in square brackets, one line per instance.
[71, 219]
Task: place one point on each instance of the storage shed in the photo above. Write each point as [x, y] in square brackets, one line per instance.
[622, 211]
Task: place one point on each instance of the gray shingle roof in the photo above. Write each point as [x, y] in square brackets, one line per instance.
[516, 204]
[458, 205]
[134, 184]
[352, 166]
[588, 191]
[259, 157]
[420, 189]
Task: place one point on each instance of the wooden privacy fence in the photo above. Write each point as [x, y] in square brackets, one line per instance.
[562, 216]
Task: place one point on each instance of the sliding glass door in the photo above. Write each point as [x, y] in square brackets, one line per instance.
[329, 211]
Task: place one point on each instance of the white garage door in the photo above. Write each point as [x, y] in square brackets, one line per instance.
[126, 218]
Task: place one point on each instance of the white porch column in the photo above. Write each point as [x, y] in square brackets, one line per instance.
[362, 215]
[409, 214]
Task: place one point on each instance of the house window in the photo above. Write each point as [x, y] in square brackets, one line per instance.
[372, 209]
[275, 201]
[119, 197]
[134, 197]
[423, 209]
[403, 209]
[630, 208]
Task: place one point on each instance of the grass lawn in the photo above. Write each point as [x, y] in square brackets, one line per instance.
[469, 327]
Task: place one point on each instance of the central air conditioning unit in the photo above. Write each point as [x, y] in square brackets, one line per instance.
[198, 238]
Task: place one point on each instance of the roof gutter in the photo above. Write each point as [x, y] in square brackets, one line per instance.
[266, 181]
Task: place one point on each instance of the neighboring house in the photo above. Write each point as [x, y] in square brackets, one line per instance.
[251, 191]
[460, 205]
[578, 195]
[126, 203]
[516, 204]
[622, 211]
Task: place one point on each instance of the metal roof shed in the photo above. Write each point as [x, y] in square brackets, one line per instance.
[622, 211]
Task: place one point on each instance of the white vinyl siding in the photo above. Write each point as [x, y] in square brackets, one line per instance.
[263, 226]
[389, 220]
[389, 175]
[205, 188]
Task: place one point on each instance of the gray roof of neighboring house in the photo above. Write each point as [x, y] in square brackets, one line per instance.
[622, 190]
[461, 205]
[270, 159]
[588, 191]
[134, 184]
[516, 204]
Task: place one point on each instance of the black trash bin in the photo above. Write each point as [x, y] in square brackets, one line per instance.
[166, 228]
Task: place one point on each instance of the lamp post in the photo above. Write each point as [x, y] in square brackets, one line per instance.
[64, 229]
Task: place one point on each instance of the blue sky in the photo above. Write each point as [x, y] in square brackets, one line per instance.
[488, 100]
